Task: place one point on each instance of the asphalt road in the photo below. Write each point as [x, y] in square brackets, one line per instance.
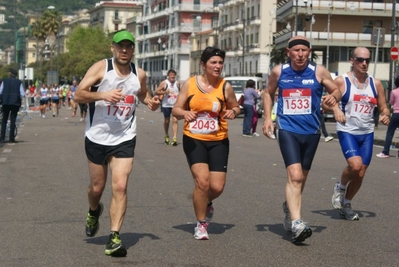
[43, 204]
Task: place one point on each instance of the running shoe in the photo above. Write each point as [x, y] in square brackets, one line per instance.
[174, 142]
[382, 156]
[114, 246]
[166, 140]
[247, 135]
[287, 220]
[255, 134]
[328, 139]
[200, 232]
[348, 213]
[300, 231]
[338, 197]
[209, 212]
[92, 222]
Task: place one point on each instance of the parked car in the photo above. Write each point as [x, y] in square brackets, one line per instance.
[238, 83]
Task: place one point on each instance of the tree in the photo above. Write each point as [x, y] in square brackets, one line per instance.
[86, 45]
[45, 30]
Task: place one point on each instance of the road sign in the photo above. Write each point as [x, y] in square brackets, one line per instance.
[394, 53]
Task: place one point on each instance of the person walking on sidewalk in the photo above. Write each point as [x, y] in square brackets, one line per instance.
[205, 103]
[11, 93]
[112, 87]
[250, 97]
[167, 91]
[300, 84]
[361, 93]
[394, 123]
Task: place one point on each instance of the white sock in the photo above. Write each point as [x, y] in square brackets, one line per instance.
[343, 187]
[346, 201]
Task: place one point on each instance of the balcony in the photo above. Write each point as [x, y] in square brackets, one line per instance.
[117, 20]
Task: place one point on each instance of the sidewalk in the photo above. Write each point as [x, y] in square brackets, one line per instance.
[379, 134]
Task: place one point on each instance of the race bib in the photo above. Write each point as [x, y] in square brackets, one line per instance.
[205, 123]
[172, 99]
[297, 101]
[121, 111]
[363, 106]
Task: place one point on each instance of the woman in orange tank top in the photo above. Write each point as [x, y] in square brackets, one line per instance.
[205, 102]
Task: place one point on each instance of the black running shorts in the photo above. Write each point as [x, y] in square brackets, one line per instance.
[99, 154]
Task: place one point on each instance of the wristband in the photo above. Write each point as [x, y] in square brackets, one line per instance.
[235, 112]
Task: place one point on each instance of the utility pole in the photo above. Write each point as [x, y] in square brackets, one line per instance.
[243, 41]
[393, 29]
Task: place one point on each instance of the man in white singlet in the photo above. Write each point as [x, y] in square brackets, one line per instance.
[361, 93]
[112, 87]
[167, 91]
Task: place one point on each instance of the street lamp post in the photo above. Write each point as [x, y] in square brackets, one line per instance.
[296, 18]
[393, 29]
[15, 39]
[328, 34]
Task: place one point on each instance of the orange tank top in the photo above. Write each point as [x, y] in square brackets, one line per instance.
[209, 125]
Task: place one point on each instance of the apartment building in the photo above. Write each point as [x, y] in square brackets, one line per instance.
[163, 35]
[112, 15]
[335, 28]
[246, 33]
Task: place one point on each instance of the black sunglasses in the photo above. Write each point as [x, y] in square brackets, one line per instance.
[361, 59]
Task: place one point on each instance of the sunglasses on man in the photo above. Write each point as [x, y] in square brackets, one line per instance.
[361, 59]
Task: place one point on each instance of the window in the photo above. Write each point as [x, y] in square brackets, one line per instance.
[369, 24]
[116, 14]
[116, 27]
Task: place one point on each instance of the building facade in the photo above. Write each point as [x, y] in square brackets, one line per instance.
[163, 36]
[246, 30]
[335, 28]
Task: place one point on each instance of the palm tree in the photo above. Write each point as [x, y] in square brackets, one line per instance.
[51, 22]
[45, 30]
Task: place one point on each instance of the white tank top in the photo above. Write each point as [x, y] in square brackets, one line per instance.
[112, 124]
[169, 99]
[358, 106]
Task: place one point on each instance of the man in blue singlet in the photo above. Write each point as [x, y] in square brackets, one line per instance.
[361, 93]
[300, 84]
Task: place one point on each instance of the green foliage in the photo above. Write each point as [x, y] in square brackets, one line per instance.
[20, 8]
[85, 47]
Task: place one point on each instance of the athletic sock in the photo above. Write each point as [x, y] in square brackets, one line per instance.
[346, 201]
[343, 187]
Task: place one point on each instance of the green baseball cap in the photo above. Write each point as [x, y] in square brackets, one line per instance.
[123, 35]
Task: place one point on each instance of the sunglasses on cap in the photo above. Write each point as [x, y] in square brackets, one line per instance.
[361, 59]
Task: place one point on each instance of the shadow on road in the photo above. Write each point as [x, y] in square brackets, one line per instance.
[335, 214]
[128, 239]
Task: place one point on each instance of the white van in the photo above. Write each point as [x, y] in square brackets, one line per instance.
[238, 83]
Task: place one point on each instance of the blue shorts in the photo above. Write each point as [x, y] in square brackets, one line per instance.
[167, 112]
[298, 148]
[213, 153]
[357, 145]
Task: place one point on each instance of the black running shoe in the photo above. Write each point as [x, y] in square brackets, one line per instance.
[114, 246]
[92, 222]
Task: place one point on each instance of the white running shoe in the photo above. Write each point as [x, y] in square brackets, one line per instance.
[328, 138]
[348, 213]
[300, 231]
[255, 134]
[382, 156]
[200, 232]
[338, 196]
